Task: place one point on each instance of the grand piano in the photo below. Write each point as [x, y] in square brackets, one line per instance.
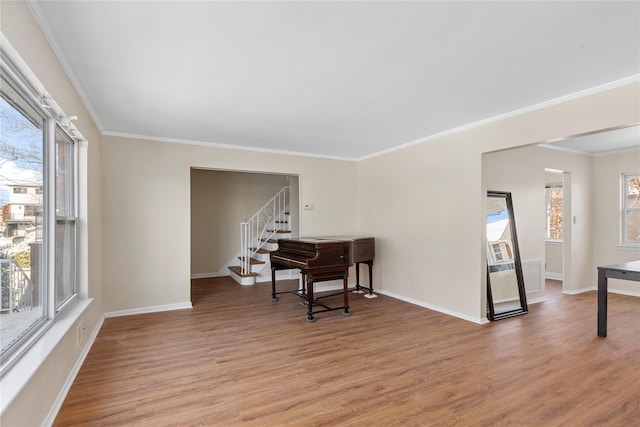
[362, 250]
[318, 260]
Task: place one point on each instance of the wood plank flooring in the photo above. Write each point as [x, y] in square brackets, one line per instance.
[236, 358]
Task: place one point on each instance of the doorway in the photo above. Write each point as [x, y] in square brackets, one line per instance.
[220, 201]
[554, 225]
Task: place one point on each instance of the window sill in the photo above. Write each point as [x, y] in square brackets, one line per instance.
[635, 248]
[22, 370]
[554, 242]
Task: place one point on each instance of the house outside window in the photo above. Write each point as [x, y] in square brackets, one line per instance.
[38, 222]
[630, 209]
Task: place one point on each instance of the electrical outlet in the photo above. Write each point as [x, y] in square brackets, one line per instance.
[80, 333]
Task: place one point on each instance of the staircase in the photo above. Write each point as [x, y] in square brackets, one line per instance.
[259, 237]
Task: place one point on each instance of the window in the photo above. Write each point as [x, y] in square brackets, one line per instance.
[37, 250]
[65, 232]
[630, 210]
[554, 200]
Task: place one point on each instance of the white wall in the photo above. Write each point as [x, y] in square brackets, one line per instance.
[606, 214]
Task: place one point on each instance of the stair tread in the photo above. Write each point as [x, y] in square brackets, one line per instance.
[237, 270]
[252, 261]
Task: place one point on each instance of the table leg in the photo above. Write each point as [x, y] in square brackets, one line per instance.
[273, 285]
[602, 302]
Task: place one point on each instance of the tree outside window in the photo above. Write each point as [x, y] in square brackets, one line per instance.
[554, 201]
[37, 216]
[631, 209]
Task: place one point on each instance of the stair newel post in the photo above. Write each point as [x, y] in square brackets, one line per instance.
[244, 246]
[287, 199]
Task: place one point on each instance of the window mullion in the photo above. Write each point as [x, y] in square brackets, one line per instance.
[50, 218]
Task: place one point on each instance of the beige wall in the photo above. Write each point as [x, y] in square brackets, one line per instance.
[553, 260]
[419, 203]
[426, 199]
[149, 237]
[606, 212]
[424, 204]
[515, 171]
[33, 403]
[220, 200]
[522, 171]
[578, 234]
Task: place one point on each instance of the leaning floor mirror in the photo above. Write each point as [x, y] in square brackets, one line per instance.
[506, 295]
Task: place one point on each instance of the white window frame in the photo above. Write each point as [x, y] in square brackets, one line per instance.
[625, 210]
[52, 123]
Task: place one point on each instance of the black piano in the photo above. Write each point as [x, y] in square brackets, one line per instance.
[362, 250]
[318, 260]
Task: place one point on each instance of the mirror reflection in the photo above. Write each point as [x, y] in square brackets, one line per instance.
[505, 285]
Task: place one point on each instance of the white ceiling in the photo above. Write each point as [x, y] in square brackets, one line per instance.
[601, 142]
[337, 79]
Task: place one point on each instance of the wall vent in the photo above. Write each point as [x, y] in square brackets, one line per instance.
[532, 272]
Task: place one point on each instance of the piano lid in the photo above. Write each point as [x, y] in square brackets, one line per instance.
[340, 237]
[315, 240]
[363, 248]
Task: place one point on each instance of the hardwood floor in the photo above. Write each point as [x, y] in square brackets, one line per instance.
[237, 358]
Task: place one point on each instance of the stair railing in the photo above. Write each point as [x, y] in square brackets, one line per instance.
[17, 291]
[257, 230]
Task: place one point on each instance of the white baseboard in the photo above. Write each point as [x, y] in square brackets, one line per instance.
[628, 293]
[535, 300]
[153, 309]
[609, 290]
[280, 275]
[478, 320]
[53, 412]
[553, 276]
[577, 291]
[204, 275]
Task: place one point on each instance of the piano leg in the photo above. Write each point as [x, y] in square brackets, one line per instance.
[345, 285]
[371, 294]
[309, 286]
[358, 291]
